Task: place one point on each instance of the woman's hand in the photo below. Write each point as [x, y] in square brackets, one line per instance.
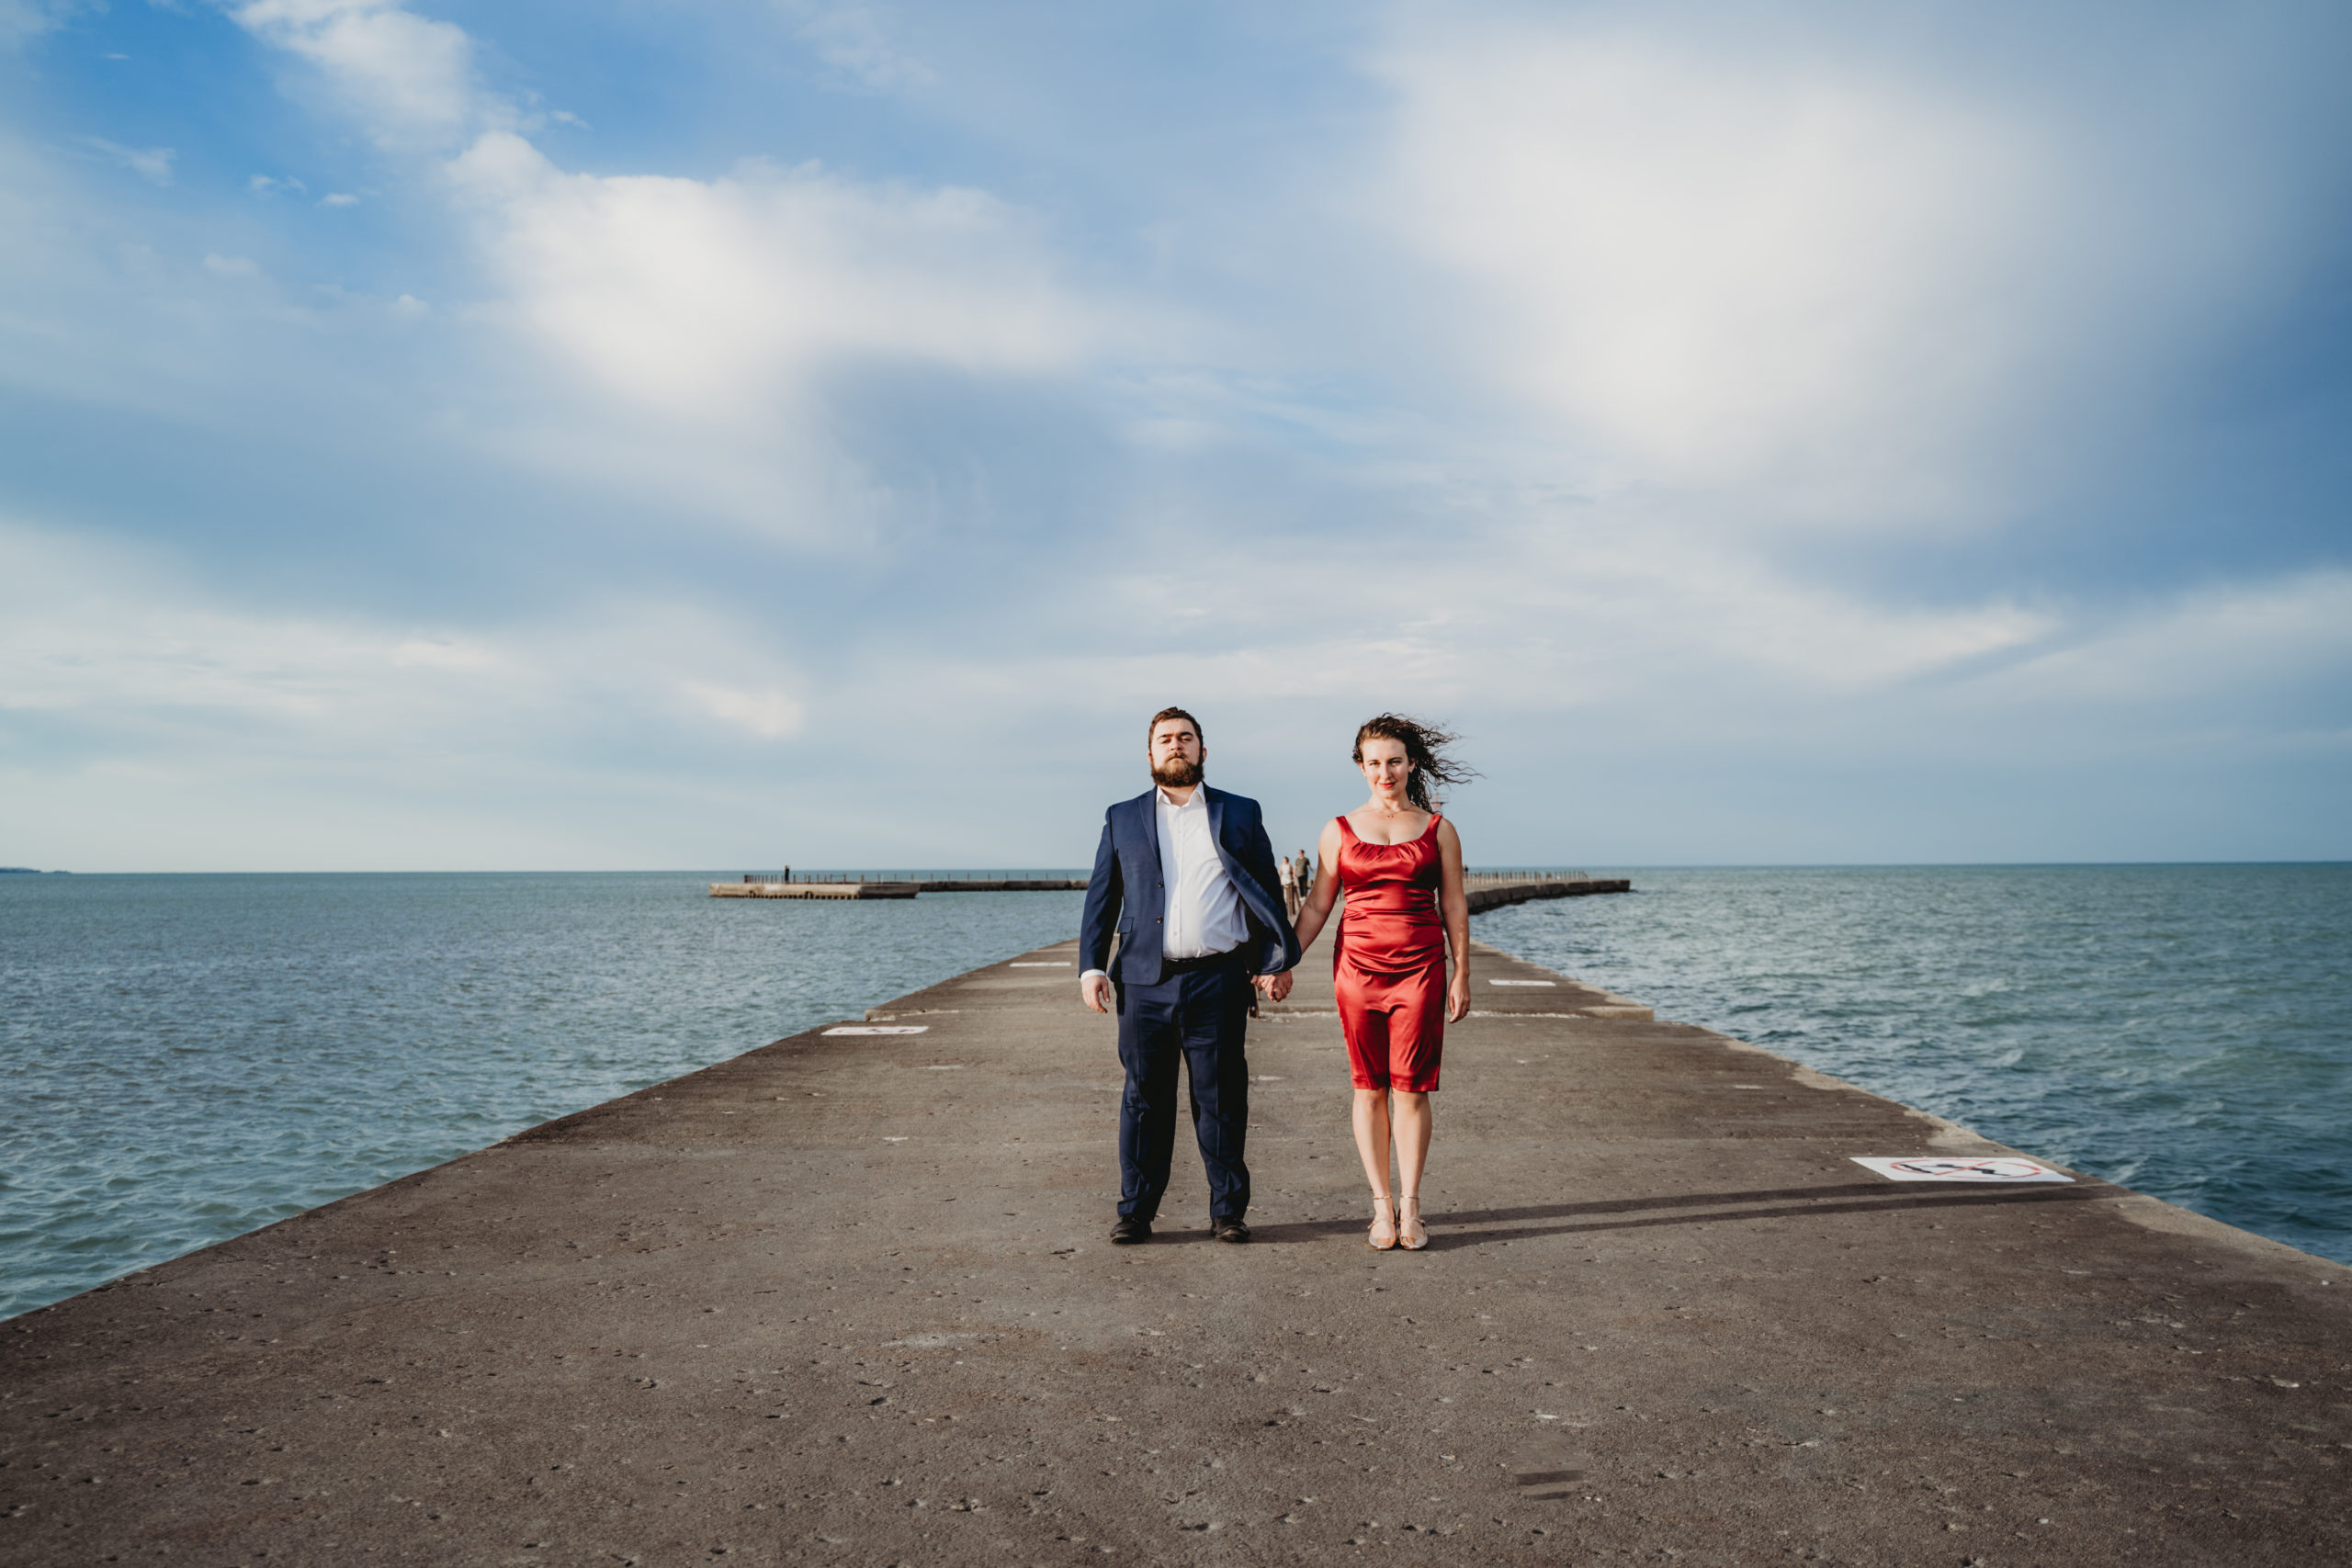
[1458, 996]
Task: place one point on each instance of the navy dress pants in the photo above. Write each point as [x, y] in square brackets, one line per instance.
[1200, 1016]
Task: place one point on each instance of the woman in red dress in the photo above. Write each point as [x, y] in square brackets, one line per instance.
[1400, 865]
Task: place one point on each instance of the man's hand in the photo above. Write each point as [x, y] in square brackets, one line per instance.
[1276, 987]
[1094, 991]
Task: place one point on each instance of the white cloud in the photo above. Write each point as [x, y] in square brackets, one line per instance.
[338, 198]
[23, 20]
[857, 40]
[681, 326]
[771, 715]
[1845, 288]
[2214, 647]
[1743, 287]
[409, 78]
[146, 722]
[117, 641]
[710, 298]
[1559, 610]
[153, 164]
[444, 653]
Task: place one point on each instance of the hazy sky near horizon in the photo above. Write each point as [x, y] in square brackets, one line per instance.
[642, 435]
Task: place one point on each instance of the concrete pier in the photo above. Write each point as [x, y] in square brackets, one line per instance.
[1485, 891]
[1494, 892]
[748, 889]
[761, 888]
[847, 1299]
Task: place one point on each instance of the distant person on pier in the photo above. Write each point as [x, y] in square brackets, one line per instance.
[1400, 865]
[1185, 878]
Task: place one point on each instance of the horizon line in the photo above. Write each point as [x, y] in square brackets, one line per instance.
[999, 872]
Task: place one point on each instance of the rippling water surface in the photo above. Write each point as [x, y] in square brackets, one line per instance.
[2184, 1029]
[183, 1058]
[187, 1057]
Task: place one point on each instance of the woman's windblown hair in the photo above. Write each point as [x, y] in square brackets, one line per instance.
[1425, 747]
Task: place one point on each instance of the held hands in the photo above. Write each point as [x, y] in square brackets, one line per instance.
[1094, 991]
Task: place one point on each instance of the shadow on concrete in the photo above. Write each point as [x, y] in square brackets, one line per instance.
[1507, 1224]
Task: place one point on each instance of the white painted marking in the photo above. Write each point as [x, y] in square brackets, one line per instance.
[1948, 1168]
[1522, 982]
[1040, 964]
[879, 1028]
[897, 1140]
[945, 1067]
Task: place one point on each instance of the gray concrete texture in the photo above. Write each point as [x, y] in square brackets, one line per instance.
[848, 1299]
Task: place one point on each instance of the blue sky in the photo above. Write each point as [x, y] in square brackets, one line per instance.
[632, 435]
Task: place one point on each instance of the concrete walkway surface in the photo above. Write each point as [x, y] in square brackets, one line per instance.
[848, 1299]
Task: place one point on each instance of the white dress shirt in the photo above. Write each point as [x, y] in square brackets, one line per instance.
[1204, 913]
[1203, 908]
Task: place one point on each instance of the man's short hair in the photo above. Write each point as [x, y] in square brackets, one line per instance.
[1164, 713]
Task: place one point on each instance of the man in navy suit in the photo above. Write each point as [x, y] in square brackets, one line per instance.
[1186, 875]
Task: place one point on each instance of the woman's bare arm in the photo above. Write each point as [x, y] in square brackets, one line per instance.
[1326, 891]
[1453, 908]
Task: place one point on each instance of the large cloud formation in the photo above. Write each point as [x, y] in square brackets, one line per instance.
[1743, 425]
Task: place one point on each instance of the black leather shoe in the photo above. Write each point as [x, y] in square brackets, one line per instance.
[1129, 1231]
[1228, 1230]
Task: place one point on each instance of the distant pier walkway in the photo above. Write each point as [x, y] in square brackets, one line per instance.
[890, 888]
[1490, 890]
[847, 1299]
[1486, 890]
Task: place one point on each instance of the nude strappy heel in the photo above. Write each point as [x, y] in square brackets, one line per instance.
[1384, 1225]
[1411, 1234]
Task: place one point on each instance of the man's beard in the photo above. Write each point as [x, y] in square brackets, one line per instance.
[1178, 774]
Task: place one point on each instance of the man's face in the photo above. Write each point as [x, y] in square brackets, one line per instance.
[1176, 754]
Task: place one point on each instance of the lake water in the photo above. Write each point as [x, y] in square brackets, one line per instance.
[188, 1057]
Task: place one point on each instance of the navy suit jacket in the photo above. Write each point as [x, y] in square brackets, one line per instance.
[1126, 892]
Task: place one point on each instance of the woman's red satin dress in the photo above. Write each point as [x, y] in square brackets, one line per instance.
[1388, 965]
